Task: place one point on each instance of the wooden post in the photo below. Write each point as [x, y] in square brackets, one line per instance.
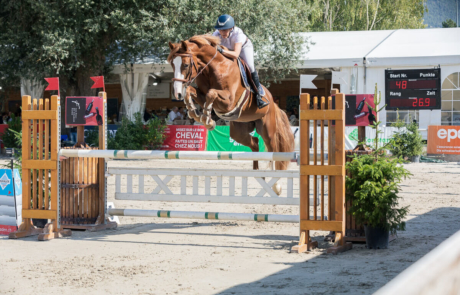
[40, 163]
[331, 155]
[102, 165]
[337, 170]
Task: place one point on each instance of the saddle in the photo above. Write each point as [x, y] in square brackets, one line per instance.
[246, 76]
[250, 87]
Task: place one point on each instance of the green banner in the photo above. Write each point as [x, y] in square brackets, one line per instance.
[219, 140]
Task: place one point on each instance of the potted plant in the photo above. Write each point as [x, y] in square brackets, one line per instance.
[373, 189]
[406, 142]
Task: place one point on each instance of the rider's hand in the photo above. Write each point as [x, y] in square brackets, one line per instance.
[220, 49]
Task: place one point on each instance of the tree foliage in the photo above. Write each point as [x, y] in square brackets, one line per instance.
[359, 15]
[75, 39]
[448, 23]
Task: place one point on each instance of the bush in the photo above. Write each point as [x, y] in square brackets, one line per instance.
[134, 135]
[373, 189]
[92, 137]
[9, 137]
[407, 141]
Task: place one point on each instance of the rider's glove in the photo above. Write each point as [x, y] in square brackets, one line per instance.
[220, 49]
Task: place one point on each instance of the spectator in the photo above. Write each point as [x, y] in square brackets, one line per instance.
[180, 114]
[147, 114]
[18, 113]
[296, 113]
[172, 116]
[6, 118]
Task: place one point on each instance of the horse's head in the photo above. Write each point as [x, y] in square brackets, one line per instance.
[181, 59]
[185, 62]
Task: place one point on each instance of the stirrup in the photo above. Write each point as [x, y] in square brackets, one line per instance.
[260, 102]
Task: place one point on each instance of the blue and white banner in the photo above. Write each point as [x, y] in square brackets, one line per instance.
[10, 200]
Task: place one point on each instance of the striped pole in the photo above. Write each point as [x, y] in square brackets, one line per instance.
[204, 215]
[185, 155]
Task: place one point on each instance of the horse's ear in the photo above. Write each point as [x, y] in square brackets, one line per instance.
[171, 45]
[184, 45]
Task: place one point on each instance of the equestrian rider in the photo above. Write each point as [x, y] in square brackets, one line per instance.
[238, 45]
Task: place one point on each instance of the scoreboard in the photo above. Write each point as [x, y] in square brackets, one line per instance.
[418, 89]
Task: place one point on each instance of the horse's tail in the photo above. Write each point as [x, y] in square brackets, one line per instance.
[284, 139]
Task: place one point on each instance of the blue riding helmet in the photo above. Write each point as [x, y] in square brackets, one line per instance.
[224, 22]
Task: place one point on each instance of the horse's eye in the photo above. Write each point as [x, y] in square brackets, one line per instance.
[185, 66]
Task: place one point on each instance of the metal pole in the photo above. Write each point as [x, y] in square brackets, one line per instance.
[185, 155]
[204, 215]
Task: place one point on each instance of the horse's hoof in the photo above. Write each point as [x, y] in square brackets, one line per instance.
[277, 188]
[211, 126]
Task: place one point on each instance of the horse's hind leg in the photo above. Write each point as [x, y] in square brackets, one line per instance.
[240, 132]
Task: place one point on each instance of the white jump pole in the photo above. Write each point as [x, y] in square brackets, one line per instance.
[185, 155]
[204, 215]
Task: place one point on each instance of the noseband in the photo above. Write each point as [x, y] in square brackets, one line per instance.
[188, 79]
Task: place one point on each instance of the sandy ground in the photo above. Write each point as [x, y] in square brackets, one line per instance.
[172, 256]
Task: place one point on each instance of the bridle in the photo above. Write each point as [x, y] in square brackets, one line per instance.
[188, 79]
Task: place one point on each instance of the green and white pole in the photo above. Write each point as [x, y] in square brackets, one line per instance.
[204, 215]
[185, 155]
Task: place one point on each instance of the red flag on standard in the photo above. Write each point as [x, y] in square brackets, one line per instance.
[53, 84]
[98, 82]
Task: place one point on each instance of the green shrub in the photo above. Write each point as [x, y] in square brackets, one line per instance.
[373, 188]
[92, 137]
[134, 135]
[9, 137]
[407, 141]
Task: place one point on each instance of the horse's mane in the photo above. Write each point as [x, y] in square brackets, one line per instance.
[199, 40]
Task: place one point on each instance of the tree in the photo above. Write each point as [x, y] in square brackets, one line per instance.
[364, 15]
[76, 39]
[449, 23]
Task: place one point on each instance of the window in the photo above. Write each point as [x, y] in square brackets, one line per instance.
[450, 100]
[405, 115]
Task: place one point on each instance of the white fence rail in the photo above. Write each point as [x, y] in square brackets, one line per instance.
[438, 272]
[209, 186]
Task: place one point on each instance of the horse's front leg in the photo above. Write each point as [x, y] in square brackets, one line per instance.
[190, 94]
[223, 96]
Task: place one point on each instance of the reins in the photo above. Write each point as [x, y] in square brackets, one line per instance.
[188, 79]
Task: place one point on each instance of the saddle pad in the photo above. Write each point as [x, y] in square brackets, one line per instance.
[244, 76]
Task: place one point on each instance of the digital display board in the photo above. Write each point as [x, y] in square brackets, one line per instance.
[418, 89]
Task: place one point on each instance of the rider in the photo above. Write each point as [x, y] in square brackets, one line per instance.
[238, 45]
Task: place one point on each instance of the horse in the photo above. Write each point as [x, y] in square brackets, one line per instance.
[221, 87]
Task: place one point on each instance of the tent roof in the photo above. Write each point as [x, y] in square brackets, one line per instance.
[383, 48]
[386, 48]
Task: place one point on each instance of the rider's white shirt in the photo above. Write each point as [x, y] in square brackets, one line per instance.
[236, 36]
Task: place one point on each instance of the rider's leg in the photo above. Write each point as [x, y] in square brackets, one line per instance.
[247, 54]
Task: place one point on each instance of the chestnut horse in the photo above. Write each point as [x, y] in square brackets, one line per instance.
[220, 87]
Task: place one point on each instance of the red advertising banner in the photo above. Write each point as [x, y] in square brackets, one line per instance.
[84, 111]
[185, 138]
[443, 140]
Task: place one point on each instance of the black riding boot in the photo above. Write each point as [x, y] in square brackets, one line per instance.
[260, 91]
